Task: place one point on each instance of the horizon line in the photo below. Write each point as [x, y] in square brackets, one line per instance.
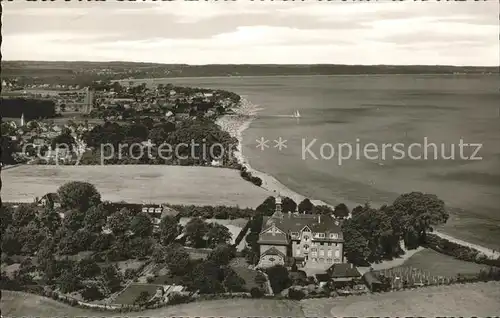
[253, 64]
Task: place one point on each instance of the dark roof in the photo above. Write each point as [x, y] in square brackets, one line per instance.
[52, 196]
[343, 270]
[273, 251]
[323, 277]
[371, 278]
[296, 222]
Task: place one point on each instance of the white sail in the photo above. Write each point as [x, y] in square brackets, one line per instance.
[297, 114]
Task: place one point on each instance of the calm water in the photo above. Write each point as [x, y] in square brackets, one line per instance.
[381, 109]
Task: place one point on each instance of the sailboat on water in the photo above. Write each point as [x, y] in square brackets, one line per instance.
[296, 114]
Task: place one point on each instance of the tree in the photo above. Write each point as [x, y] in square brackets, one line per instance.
[233, 282]
[169, 229]
[95, 218]
[177, 259]
[92, 293]
[222, 254]
[288, 205]
[141, 225]
[68, 282]
[322, 210]
[420, 212]
[88, 268]
[217, 234]
[111, 277]
[278, 277]
[74, 220]
[50, 219]
[341, 211]
[356, 248]
[268, 206]
[142, 298]
[23, 214]
[196, 229]
[306, 206]
[119, 223]
[5, 218]
[78, 195]
[206, 277]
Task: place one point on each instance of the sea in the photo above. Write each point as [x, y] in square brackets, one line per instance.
[342, 148]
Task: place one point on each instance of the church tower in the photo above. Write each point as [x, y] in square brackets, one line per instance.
[278, 214]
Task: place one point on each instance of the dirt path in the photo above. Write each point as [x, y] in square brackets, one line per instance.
[492, 254]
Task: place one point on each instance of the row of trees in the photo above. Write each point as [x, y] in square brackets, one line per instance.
[371, 234]
[305, 206]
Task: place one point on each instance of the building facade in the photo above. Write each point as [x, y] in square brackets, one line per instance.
[303, 237]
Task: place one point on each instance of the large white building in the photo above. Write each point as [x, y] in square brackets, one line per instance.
[303, 237]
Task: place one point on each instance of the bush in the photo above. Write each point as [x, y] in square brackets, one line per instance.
[296, 294]
[256, 292]
[150, 279]
[176, 298]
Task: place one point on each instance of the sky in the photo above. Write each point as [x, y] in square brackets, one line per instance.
[254, 32]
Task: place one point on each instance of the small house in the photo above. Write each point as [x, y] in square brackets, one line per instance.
[373, 282]
[343, 274]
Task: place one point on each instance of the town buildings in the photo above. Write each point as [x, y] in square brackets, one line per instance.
[303, 238]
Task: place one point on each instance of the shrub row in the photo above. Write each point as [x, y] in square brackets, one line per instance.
[458, 251]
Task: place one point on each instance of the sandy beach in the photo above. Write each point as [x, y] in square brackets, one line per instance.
[235, 125]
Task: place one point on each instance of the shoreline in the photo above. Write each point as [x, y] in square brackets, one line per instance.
[235, 125]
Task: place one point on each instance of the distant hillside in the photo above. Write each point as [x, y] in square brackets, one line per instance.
[78, 72]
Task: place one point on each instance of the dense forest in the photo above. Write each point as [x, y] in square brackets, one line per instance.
[31, 108]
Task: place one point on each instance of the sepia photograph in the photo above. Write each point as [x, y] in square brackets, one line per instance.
[247, 158]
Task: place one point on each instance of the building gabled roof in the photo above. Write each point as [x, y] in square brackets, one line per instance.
[273, 251]
[296, 222]
[343, 270]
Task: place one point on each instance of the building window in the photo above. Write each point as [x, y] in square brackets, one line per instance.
[298, 251]
[306, 230]
[321, 253]
[272, 259]
[321, 260]
[306, 237]
[321, 235]
[334, 236]
[322, 243]
[329, 260]
[314, 255]
[314, 249]
[337, 254]
[295, 234]
[306, 246]
[329, 253]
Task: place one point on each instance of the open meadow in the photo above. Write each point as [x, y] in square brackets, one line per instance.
[137, 184]
[430, 261]
[468, 300]
[27, 305]
[478, 299]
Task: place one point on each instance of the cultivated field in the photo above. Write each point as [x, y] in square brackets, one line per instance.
[479, 299]
[438, 264]
[137, 184]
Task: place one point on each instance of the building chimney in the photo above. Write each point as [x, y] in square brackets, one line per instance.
[319, 218]
[352, 266]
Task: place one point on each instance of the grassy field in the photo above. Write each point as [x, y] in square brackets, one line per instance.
[129, 295]
[439, 264]
[137, 184]
[27, 305]
[480, 299]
